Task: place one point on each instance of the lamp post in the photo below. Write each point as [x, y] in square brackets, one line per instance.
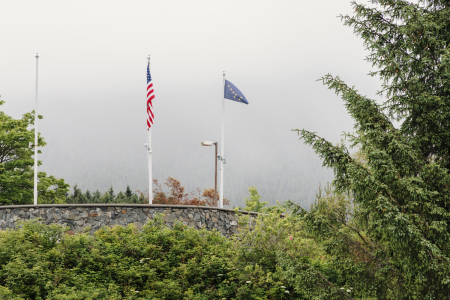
[208, 143]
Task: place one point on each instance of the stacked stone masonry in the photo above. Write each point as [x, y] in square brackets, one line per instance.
[91, 217]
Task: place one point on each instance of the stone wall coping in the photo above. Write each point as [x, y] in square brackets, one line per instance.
[123, 205]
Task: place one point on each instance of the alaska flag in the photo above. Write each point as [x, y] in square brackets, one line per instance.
[233, 93]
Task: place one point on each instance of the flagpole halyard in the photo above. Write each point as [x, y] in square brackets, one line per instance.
[36, 135]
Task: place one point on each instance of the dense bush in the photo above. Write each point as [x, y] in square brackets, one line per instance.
[40, 261]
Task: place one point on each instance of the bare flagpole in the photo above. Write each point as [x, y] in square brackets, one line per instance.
[36, 135]
[222, 148]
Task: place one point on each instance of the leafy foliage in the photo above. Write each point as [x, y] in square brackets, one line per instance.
[16, 162]
[276, 254]
[253, 203]
[39, 261]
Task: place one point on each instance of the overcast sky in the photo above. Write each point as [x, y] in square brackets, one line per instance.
[92, 80]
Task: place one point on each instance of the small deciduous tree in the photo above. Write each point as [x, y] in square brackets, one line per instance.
[51, 190]
[253, 203]
[177, 195]
[16, 162]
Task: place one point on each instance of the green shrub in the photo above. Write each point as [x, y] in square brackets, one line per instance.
[39, 261]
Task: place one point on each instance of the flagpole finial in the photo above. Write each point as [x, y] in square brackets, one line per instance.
[37, 55]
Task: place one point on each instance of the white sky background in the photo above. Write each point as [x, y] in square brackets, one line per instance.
[92, 81]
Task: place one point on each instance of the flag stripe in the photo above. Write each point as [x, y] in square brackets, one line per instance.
[150, 97]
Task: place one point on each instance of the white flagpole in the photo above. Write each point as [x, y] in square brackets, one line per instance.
[36, 135]
[149, 159]
[222, 149]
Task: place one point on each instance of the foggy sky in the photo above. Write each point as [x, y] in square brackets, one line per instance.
[92, 83]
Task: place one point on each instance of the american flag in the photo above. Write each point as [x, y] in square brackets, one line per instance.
[150, 97]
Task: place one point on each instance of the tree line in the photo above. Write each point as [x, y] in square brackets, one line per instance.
[80, 197]
[171, 193]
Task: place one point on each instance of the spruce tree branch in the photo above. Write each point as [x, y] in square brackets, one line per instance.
[358, 233]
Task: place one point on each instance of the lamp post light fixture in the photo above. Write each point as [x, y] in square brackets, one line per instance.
[209, 143]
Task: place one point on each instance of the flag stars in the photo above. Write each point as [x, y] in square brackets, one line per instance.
[233, 93]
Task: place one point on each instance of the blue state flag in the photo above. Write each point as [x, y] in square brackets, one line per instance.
[233, 93]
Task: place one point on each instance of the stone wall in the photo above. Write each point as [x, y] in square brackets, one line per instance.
[81, 217]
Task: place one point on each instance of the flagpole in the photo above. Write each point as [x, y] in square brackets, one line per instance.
[36, 135]
[222, 147]
[149, 159]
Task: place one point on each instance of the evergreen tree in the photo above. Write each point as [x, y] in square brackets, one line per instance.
[76, 191]
[96, 196]
[105, 198]
[88, 196]
[112, 196]
[134, 199]
[73, 199]
[400, 229]
[128, 192]
[121, 198]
